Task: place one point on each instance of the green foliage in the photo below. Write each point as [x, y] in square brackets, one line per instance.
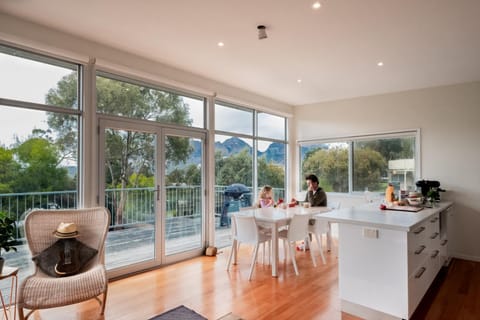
[39, 170]
[270, 174]
[8, 170]
[191, 176]
[390, 149]
[7, 233]
[233, 169]
[369, 166]
[330, 166]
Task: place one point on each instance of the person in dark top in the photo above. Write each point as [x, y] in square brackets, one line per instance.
[315, 195]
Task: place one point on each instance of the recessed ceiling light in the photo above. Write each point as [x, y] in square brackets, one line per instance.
[380, 64]
[299, 80]
[316, 5]
[220, 44]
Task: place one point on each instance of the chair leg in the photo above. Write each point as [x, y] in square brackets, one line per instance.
[104, 301]
[20, 313]
[307, 239]
[320, 246]
[235, 247]
[292, 254]
[254, 259]
[263, 253]
[269, 252]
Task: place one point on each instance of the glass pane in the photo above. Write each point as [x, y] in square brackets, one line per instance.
[380, 161]
[329, 162]
[32, 78]
[38, 169]
[130, 100]
[183, 184]
[270, 126]
[233, 120]
[233, 182]
[130, 196]
[271, 167]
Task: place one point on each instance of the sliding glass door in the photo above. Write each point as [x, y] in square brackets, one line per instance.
[151, 180]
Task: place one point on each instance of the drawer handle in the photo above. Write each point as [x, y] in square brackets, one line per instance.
[419, 230]
[420, 272]
[434, 220]
[444, 242]
[433, 236]
[435, 254]
[419, 250]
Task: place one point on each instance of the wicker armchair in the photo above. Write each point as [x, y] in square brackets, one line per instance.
[41, 291]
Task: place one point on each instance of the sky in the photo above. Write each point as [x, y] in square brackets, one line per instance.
[26, 80]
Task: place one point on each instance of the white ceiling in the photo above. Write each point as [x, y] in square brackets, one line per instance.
[334, 50]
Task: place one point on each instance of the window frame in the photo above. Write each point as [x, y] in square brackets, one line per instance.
[415, 133]
[151, 85]
[255, 139]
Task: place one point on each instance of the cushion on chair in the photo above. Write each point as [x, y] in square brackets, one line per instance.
[46, 292]
[51, 260]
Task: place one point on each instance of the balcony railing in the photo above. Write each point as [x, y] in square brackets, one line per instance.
[137, 206]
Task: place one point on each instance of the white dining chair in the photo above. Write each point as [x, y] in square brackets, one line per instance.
[265, 229]
[297, 231]
[247, 231]
[320, 228]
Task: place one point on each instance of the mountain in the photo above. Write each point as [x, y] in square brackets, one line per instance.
[274, 153]
[232, 146]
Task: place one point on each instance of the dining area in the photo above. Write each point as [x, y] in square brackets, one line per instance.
[295, 228]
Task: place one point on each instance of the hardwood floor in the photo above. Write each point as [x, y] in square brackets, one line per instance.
[204, 285]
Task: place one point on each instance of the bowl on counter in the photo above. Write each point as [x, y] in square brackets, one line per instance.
[415, 201]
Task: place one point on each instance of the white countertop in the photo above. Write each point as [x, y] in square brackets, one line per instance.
[371, 215]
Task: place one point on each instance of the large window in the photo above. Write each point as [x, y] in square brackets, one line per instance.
[127, 98]
[39, 138]
[250, 152]
[364, 163]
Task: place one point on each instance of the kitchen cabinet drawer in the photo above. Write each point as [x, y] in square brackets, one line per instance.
[417, 256]
[418, 283]
[418, 236]
[443, 251]
[420, 244]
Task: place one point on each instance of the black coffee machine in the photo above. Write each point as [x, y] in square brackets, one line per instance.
[427, 185]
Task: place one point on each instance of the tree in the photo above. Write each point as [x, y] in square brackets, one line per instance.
[270, 173]
[126, 152]
[39, 167]
[369, 166]
[233, 169]
[8, 170]
[330, 166]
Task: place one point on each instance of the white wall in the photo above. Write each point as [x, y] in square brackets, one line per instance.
[449, 119]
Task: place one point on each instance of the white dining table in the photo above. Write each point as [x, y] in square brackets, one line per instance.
[275, 218]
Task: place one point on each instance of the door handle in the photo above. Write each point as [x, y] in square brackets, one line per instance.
[157, 190]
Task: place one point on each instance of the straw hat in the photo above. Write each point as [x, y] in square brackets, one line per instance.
[66, 230]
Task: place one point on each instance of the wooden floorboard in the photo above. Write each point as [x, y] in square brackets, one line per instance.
[204, 285]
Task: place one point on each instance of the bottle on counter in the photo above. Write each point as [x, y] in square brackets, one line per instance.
[390, 193]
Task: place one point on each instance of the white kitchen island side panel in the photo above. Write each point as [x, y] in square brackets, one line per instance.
[373, 271]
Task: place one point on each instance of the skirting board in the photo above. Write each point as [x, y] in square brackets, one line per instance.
[365, 312]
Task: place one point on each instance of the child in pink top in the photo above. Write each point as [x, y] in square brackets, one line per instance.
[266, 197]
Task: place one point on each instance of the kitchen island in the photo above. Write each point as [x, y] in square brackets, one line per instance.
[388, 259]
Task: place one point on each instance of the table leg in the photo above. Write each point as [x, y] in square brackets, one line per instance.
[275, 250]
[235, 251]
[329, 237]
[3, 305]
